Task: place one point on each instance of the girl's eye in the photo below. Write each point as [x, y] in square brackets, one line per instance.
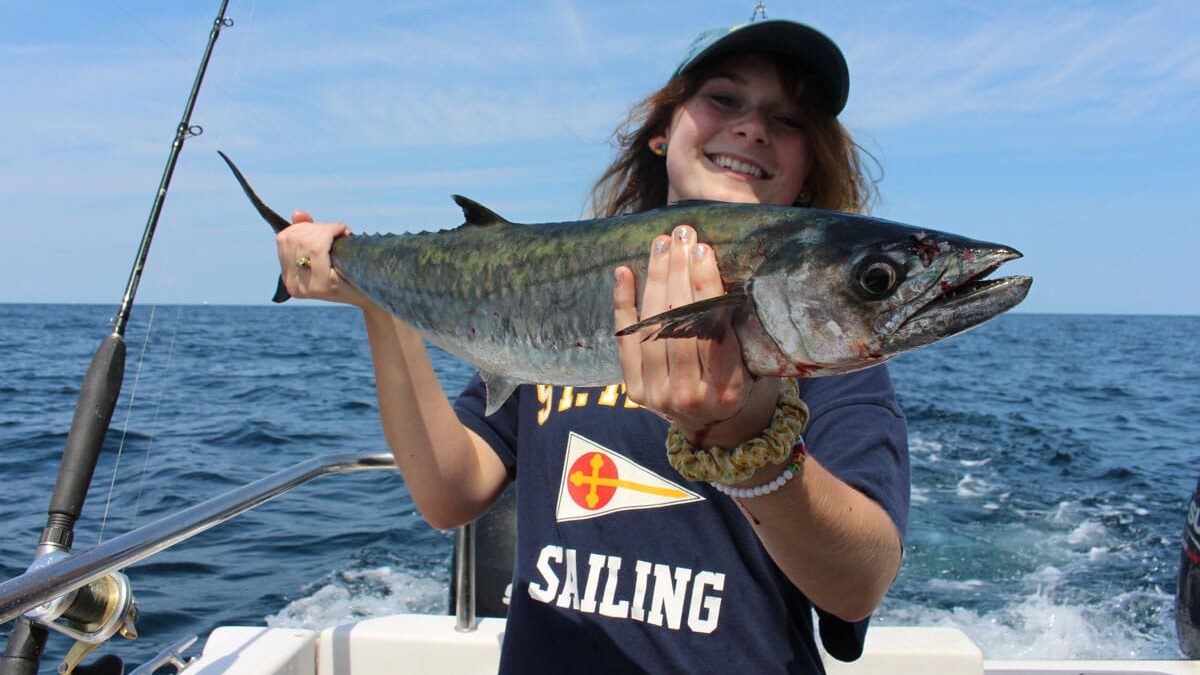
[789, 121]
[723, 100]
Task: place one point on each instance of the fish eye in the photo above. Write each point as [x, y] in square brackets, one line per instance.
[877, 277]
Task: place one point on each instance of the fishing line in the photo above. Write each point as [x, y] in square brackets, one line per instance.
[1131, 255]
[244, 34]
[137, 501]
[231, 102]
[166, 252]
[148, 30]
[166, 256]
[248, 113]
[137, 378]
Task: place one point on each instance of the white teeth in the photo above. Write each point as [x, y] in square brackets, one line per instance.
[740, 167]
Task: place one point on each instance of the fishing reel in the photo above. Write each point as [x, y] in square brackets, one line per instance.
[90, 615]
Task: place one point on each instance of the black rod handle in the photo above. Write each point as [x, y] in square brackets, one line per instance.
[97, 399]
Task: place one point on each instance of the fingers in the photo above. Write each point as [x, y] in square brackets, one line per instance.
[683, 358]
[655, 300]
[304, 261]
[720, 359]
[625, 314]
[688, 380]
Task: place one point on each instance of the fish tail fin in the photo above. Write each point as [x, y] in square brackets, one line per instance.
[276, 221]
[281, 292]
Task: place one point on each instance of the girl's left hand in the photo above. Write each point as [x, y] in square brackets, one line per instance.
[696, 383]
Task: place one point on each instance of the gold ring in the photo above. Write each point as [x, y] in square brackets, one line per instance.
[303, 262]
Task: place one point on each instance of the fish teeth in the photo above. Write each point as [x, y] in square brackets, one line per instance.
[738, 166]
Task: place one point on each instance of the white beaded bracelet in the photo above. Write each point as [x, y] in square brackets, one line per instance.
[794, 467]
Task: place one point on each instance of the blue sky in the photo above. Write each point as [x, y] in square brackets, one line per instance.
[1070, 130]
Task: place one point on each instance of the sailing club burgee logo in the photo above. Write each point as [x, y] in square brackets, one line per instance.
[597, 481]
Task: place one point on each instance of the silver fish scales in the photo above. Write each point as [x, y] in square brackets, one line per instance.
[808, 292]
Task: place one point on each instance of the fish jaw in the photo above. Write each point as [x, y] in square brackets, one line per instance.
[965, 298]
[947, 291]
[811, 314]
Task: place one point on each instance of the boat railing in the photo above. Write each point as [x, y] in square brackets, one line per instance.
[46, 583]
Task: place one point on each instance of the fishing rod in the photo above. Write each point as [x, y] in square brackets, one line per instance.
[108, 602]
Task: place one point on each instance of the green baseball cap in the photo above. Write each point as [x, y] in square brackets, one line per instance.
[815, 52]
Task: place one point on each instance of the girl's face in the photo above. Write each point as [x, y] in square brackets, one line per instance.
[738, 139]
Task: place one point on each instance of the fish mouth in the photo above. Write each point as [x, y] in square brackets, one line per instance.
[969, 302]
[981, 291]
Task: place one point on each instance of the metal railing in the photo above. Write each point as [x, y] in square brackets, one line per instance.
[31, 589]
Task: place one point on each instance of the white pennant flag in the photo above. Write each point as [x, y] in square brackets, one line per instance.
[597, 481]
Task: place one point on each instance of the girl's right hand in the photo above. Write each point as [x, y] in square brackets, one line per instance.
[317, 280]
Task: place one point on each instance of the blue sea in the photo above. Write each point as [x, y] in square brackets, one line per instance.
[1053, 459]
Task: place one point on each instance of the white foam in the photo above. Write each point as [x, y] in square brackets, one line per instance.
[362, 594]
[973, 463]
[929, 451]
[1065, 513]
[1088, 533]
[1046, 620]
[970, 486]
[1048, 575]
[955, 584]
[1036, 628]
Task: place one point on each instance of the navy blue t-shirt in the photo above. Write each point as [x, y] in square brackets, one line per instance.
[624, 566]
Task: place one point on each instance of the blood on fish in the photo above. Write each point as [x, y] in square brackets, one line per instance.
[804, 369]
[924, 249]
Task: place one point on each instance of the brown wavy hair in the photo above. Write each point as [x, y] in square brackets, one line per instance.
[636, 180]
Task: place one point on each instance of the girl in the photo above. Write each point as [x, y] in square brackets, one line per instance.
[622, 565]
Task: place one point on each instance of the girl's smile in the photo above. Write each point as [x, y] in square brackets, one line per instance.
[738, 139]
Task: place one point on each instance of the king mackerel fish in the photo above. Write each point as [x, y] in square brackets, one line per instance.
[808, 292]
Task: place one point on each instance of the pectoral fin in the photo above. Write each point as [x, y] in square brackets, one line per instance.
[704, 319]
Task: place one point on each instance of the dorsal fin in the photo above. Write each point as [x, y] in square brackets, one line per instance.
[475, 213]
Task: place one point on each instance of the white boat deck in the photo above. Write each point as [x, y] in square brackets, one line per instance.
[430, 645]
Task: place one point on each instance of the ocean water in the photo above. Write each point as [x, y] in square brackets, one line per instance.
[1053, 458]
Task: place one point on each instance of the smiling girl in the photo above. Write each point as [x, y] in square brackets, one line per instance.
[635, 559]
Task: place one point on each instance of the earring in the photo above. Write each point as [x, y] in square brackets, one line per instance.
[658, 145]
[804, 198]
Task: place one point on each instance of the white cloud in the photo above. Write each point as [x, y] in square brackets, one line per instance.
[1075, 61]
[375, 112]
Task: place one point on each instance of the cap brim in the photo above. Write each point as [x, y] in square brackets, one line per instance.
[816, 53]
